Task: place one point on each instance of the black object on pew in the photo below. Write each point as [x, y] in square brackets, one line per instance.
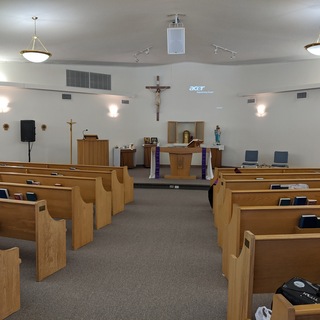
[300, 291]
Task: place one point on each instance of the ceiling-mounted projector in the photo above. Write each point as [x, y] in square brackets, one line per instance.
[176, 36]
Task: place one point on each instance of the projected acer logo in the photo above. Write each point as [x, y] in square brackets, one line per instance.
[199, 89]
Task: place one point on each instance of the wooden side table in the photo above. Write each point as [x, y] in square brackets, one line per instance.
[127, 158]
[216, 157]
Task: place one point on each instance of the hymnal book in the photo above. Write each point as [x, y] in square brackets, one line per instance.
[31, 196]
[4, 193]
[29, 181]
[284, 201]
[300, 201]
[18, 196]
[308, 221]
[312, 202]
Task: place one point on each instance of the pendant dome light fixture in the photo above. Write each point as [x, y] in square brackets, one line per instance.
[314, 47]
[36, 51]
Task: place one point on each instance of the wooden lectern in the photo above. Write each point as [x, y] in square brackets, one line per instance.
[93, 151]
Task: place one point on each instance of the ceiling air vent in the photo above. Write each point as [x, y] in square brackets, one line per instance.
[251, 100]
[302, 95]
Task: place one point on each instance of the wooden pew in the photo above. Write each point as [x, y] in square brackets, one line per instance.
[256, 198]
[282, 309]
[261, 220]
[65, 203]
[253, 184]
[122, 172]
[30, 220]
[91, 190]
[220, 184]
[109, 180]
[265, 263]
[218, 171]
[9, 282]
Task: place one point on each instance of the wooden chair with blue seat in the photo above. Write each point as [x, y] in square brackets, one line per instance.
[280, 159]
[250, 159]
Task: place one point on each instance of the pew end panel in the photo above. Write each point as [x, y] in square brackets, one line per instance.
[30, 220]
[265, 263]
[9, 282]
[283, 310]
[51, 243]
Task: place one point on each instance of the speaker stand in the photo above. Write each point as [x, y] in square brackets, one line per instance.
[29, 151]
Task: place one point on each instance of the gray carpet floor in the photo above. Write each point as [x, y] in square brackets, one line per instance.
[158, 260]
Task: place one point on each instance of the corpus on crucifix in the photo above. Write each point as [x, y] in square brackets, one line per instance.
[157, 89]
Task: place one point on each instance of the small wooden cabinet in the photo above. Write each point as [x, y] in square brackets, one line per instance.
[127, 158]
[216, 157]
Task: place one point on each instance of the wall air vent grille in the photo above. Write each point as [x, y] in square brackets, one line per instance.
[251, 100]
[81, 79]
[78, 79]
[302, 95]
[100, 81]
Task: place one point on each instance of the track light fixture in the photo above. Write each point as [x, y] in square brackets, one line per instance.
[216, 48]
[314, 47]
[33, 54]
[145, 51]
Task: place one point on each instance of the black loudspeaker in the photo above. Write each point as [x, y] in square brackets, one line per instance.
[28, 130]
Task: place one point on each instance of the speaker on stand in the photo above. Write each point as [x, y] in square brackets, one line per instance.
[28, 133]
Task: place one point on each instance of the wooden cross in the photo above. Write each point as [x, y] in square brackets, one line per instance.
[157, 90]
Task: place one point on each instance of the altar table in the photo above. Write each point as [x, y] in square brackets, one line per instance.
[180, 162]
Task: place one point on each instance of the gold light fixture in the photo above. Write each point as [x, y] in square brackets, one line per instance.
[314, 48]
[34, 54]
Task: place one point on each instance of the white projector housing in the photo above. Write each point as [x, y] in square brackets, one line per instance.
[176, 41]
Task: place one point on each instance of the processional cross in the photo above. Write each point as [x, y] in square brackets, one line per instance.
[71, 123]
[157, 90]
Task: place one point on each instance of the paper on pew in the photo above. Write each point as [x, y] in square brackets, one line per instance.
[296, 186]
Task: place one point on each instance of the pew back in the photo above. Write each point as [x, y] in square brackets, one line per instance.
[109, 180]
[91, 190]
[253, 184]
[122, 172]
[256, 198]
[261, 220]
[65, 203]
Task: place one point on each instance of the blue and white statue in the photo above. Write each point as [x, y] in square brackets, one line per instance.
[217, 134]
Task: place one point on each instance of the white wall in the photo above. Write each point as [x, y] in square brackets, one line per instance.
[289, 124]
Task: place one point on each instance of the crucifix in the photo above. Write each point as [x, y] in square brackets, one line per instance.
[157, 90]
[70, 123]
